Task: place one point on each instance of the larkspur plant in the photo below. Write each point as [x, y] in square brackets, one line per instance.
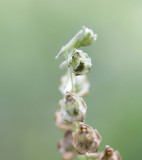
[80, 140]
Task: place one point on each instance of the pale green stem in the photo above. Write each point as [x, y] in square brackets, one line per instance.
[83, 157]
[71, 43]
[72, 82]
[78, 123]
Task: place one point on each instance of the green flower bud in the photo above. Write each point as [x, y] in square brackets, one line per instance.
[84, 37]
[79, 62]
[86, 139]
[81, 84]
[108, 154]
[87, 39]
[73, 108]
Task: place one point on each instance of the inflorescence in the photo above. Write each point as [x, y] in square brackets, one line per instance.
[80, 140]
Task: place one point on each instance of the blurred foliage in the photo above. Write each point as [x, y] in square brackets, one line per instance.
[31, 34]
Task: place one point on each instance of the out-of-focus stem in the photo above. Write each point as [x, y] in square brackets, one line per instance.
[83, 157]
[72, 82]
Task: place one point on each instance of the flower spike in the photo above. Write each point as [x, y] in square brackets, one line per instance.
[80, 141]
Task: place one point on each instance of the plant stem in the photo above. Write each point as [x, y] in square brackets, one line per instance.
[83, 157]
[72, 82]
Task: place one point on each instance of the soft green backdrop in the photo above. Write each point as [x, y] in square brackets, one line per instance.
[31, 34]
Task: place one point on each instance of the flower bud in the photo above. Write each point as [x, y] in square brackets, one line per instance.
[88, 37]
[65, 146]
[79, 62]
[108, 154]
[84, 37]
[61, 123]
[73, 108]
[81, 84]
[86, 139]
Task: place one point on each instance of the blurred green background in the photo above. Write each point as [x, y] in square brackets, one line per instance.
[31, 34]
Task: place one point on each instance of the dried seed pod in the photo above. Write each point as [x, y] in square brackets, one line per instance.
[86, 139]
[108, 154]
[84, 37]
[65, 146]
[61, 123]
[81, 84]
[79, 62]
[72, 107]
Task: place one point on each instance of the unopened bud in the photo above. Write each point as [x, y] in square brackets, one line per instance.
[81, 84]
[73, 108]
[88, 38]
[86, 139]
[79, 62]
[84, 37]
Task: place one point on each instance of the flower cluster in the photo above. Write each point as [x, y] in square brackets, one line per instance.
[80, 140]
